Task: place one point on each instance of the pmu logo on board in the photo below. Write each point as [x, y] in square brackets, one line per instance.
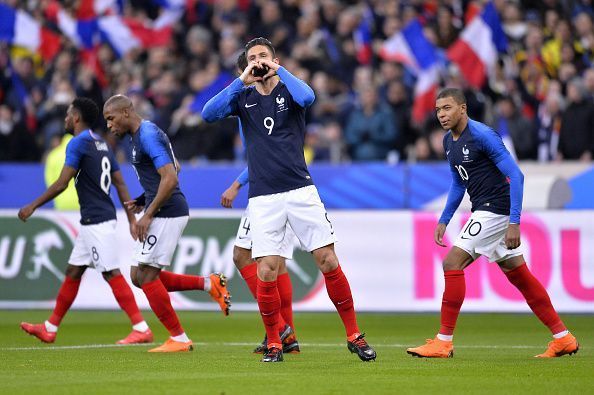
[33, 257]
[206, 246]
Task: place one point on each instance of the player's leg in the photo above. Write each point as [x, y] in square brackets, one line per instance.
[141, 332]
[442, 345]
[153, 255]
[286, 328]
[309, 220]
[268, 217]
[538, 299]
[215, 284]
[46, 332]
[269, 304]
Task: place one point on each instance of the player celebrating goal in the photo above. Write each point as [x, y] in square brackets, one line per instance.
[89, 159]
[165, 217]
[242, 256]
[281, 192]
[481, 165]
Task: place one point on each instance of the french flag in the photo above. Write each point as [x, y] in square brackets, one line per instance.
[411, 48]
[362, 37]
[21, 29]
[475, 52]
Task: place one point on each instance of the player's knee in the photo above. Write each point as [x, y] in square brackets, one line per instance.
[240, 258]
[447, 265]
[75, 272]
[134, 277]
[110, 274]
[326, 259]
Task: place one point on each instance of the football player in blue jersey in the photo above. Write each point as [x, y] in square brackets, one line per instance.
[271, 104]
[247, 267]
[92, 164]
[481, 165]
[165, 216]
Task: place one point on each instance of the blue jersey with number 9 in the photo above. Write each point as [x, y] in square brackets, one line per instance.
[89, 154]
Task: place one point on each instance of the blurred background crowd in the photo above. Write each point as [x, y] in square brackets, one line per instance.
[540, 94]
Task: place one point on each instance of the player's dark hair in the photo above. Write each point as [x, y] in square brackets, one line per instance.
[87, 109]
[242, 61]
[456, 93]
[259, 41]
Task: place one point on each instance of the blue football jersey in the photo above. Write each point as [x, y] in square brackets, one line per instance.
[473, 160]
[274, 129]
[93, 159]
[152, 150]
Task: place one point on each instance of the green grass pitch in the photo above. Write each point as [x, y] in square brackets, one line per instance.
[493, 354]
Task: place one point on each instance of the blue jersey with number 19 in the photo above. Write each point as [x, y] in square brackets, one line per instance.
[93, 159]
[152, 150]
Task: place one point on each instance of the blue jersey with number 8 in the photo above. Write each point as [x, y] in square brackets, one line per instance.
[89, 154]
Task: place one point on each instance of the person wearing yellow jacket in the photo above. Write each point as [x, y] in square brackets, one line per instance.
[68, 200]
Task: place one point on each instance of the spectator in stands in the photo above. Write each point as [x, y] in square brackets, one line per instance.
[576, 137]
[509, 121]
[370, 131]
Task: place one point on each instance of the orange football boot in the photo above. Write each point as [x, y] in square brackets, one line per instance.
[433, 348]
[219, 293]
[39, 331]
[137, 337]
[172, 346]
[568, 344]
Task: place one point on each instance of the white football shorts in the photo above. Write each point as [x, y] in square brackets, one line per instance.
[484, 234]
[95, 246]
[244, 237]
[161, 241]
[301, 209]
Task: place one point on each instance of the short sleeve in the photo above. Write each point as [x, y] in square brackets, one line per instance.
[74, 153]
[157, 147]
[115, 166]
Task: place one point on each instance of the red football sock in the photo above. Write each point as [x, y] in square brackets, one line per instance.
[269, 304]
[536, 297]
[451, 302]
[123, 294]
[250, 275]
[181, 282]
[64, 300]
[285, 290]
[161, 304]
[339, 292]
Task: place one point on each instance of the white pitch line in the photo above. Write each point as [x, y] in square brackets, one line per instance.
[242, 344]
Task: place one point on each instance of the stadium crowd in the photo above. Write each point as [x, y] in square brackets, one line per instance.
[541, 93]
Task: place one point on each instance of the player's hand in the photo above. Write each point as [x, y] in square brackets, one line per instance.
[512, 236]
[133, 206]
[26, 212]
[229, 196]
[247, 77]
[142, 227]
[438, 236]
[272, 67]
[134, 230]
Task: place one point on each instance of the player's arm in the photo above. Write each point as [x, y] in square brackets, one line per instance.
[455, 195]
[52, 191]
[493, 146]
[230, 193]
[224, 103]
[118, 182]
[301, 92]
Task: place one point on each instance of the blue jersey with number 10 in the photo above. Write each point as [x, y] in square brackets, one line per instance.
[93, 159]
[152, 150]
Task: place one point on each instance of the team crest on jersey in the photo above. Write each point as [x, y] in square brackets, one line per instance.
[466, 153]
[280, 101]
[133, 154]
